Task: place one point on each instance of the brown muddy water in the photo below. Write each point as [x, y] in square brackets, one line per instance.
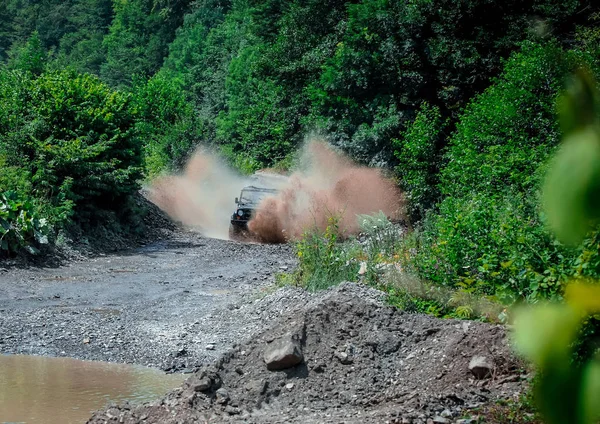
[41, 390]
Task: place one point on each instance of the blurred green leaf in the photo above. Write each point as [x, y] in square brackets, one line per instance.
[590, 390]
[584, 297]
[579, 105]
[572, 187]
[544, 334]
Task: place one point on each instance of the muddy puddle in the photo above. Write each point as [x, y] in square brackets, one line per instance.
[45, 390]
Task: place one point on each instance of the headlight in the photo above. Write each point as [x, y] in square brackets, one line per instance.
[240, 212]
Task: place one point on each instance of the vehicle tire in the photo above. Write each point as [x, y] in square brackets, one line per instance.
[235, 233]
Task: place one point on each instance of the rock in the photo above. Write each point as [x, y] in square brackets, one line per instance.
[283, 353]
[210, 347]
[222, 396]
[480, 367]
[86, 341]
[363, 268]
[384, 343]
[202, 385]
[319, 367]
[440, 420]
[231, 410]
[289, 386]
[344, 358]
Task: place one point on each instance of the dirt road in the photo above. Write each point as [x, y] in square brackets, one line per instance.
[208, 306]
[172, 304]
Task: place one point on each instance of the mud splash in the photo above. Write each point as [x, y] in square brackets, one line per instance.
[202, 196]
[325, 184]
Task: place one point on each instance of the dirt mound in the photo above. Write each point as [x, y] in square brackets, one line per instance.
[362, 362]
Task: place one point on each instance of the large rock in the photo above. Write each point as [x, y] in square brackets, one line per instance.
[283, 353]
[481, 367]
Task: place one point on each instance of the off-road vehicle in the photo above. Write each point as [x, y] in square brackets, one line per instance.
[246, 206]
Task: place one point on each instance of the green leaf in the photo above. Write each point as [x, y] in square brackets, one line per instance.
[584, 298]
[544, 334]
[590, 392]
[572, 187]
[579, 105]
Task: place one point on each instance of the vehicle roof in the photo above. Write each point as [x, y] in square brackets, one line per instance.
[254, 188]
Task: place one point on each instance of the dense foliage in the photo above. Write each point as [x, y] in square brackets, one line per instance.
[457, 97]
[69, 149]
[488, 231]
[547, 334]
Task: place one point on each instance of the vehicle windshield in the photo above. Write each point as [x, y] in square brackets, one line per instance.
[254, 196]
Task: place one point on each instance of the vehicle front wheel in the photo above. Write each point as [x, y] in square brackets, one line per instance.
[235, 233]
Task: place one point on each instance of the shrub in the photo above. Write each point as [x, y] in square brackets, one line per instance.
[419, 157]
[495, 246]
[74, 137]
[487, 234]
[323, 261]
[20, 226]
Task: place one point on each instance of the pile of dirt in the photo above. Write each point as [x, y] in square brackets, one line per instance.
[361, 361]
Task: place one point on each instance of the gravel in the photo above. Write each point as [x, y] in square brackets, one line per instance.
[363, 362]
[174, 304]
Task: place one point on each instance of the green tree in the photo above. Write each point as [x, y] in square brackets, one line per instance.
[487, 233]
[395, 55]
[419, 160]
[138, 39]
[32, 57]
[74, 137]
[82, 48]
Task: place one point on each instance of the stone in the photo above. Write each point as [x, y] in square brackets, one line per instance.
[210, 347]
[440, 420]
[344, 358]
[480, 367]
[319, 367]
[222, 396]
[202, 385]
[283, 353]
[289, 386]
[232, 410]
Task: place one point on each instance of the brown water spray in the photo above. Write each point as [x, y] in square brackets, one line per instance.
[326, 183]
[202, 196]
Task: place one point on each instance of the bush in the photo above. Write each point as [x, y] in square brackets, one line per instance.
[323, 261]
[20, 226]
[488, 235]
[74, 137]
[495, 246]
[418, 156]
